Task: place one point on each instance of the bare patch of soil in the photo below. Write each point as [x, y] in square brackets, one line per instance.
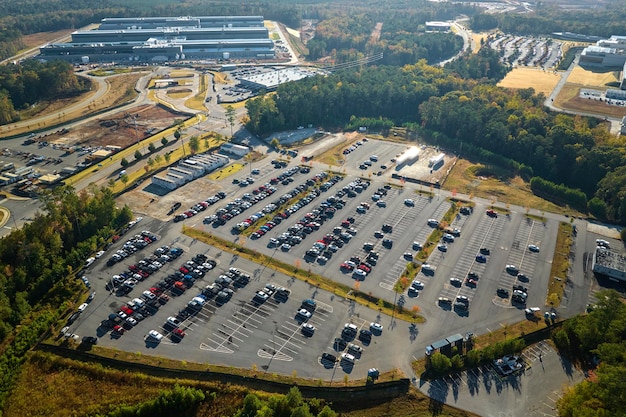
[122, 129]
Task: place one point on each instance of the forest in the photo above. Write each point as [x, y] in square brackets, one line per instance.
[596, 338]
[32, 81]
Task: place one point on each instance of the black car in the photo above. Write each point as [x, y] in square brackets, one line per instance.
[387, 243]
[485, 251]
[339, 344]
[328, 357]
[387, 228]
[365, 334]
[90, 340]
[502, 292]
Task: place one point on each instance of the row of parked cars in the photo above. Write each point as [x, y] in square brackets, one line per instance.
[297, 205]
[199, 207]
[132, 245]
[350, 351]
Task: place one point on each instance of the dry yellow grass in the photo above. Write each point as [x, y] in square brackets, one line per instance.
[478, 38]
[569, 99]
[592, 78]
[479, 181]
[541, 81]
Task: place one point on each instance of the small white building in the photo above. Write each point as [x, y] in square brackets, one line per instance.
[234, 149]
[164, 181]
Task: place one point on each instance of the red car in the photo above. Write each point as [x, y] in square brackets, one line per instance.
[178, 333]
[346, 267]
[492, 213]
[118, 329]
[156, 291]
[183, 270]
[365, 268]
[127, 310]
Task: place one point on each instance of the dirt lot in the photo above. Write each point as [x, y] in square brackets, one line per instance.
[119, 129]
[142, 201]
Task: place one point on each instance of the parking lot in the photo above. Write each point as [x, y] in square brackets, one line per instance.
[359, 231]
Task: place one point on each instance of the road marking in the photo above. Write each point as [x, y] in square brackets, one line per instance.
[220, 349]
[261, 353]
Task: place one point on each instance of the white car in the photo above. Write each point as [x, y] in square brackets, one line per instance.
[360, 273]
[153, 334]
[417, 284]
[376, 327]
[89, 261]
[99, 254]
[533, 248]
[131, 321]
[308, 329]
[173, 321]
[348, 357]
[442, 247]
[304, 313]
[82, 307]
[148, 295]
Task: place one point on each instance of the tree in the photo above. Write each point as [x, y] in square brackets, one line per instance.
[151, 147]
[124, 163]
[138, 155]
[168, 157]
[150, 162]
[275, 143]
[164, 141]
[124, 178]
[230, 116]
[440, 364]
[194, 144]
[177, 134]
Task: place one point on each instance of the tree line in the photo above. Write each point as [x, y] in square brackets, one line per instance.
[31, 81]
[603, 20]
[596, 338]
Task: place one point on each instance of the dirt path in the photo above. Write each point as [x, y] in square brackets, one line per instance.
[375, 36]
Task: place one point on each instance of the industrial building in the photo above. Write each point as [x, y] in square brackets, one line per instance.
[438, 26]
[189, 169]
[166, 39]
[608, 53]
[609, 263]
[271, 80]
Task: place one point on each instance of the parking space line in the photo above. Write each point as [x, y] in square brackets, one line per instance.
[221, 349]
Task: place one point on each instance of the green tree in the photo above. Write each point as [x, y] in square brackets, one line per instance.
[164, 141]
[230, 116]
[275, 143]
[440, 364]
[158, 158]
[138, 155]
[124, 163]
[194, 144]
[124, 178]
[327, 412]
[177, 134]
[151, 147]
[168, 157]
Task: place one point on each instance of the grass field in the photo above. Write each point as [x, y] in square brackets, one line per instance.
[497, 185]
[593, 78]
[478, 37]
[541, 81]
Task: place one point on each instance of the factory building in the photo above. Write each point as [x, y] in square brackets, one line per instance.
[166, 39]
[271, 80]
[606, 53]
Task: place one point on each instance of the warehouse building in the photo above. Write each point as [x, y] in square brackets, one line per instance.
[270, 81]
[609, 263]
[166, 39]
[188, 170]
[608, 53]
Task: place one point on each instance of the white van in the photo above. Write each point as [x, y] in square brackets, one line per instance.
[348, 357]
[139, 302]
